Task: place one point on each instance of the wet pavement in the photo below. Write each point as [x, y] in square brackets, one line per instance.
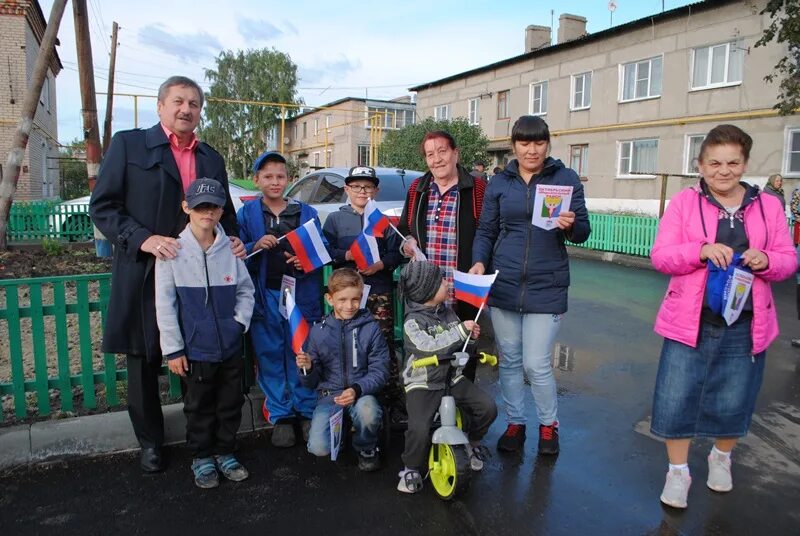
[606, 480]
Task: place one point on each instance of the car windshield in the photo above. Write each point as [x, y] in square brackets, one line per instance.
[394, 186]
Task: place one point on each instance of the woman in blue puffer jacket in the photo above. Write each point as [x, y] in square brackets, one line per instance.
[530, 292]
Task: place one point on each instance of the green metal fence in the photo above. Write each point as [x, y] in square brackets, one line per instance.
[32, 221]
[631, 235]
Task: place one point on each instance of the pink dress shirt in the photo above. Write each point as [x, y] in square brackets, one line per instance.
[184, 157]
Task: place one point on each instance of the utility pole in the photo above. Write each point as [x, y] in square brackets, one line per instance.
[8, 182]
[110, 94]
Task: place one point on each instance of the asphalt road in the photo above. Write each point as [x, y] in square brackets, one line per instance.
[606, 480]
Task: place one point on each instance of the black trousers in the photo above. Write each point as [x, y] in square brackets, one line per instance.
[144, 403]
[422, 406]
[212, 403]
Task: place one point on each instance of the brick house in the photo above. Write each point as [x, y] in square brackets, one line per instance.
[22, 25]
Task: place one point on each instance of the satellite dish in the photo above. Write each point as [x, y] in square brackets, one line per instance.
[612, 6]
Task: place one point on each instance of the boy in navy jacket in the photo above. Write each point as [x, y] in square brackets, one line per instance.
[261, 223]
[204, 301]
[347, 362]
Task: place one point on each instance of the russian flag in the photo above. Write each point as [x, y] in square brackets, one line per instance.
[298, 327]
[365, 251]
[375, 222]
[308, 246]
[472, 288]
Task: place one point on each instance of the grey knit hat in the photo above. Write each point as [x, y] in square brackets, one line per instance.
[420, 280]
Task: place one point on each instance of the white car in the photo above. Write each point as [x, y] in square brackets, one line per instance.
[324, 190]
[71, 218]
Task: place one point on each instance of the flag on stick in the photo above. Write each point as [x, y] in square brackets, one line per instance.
[472, 288]
[298, 327]
[308, 246]
[365, 251]
[375, 222]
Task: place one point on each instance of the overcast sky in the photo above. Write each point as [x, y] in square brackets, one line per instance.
[344, 48]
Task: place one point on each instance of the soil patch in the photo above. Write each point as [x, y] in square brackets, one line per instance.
[30, 262]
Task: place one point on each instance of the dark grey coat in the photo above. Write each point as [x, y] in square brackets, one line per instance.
[138, 194]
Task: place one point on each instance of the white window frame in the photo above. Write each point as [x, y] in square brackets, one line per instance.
[316, 126]
[621, 96]
[365, 149]
[507, 105]
[582, 173]
[543, 95]
[316, 155]
[687, 157]
[584, 104]
[328, 157]
[328, 122]
[441, 112]
[726, 70]
[473, 111]
[787, 145]
[627, 174]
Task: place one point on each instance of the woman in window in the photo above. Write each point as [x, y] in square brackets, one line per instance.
[714, 236]
[529, 295]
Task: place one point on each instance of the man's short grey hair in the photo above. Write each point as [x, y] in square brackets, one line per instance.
[179, 81]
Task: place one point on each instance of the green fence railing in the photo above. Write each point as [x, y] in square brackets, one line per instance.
[631, 235]
[38, 220]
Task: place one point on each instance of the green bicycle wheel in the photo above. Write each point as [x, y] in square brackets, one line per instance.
[449, 470]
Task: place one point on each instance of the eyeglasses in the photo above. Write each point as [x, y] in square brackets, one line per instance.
[363, 189]
[207, 207]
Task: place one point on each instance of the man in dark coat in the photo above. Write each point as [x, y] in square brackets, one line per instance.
[136, 204]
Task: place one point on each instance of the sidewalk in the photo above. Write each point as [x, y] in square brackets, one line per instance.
[104, 433]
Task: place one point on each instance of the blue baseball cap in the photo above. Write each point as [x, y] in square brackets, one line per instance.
[205, 190]
[269, 156]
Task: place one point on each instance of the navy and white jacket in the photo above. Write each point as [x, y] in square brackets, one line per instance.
[533, 263]
[347, 353]
[204, 300]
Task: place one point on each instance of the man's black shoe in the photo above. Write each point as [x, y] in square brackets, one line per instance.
[548, 439]
[151, 460]
[513, 439]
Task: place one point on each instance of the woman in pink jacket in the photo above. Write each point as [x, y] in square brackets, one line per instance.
[710, 372]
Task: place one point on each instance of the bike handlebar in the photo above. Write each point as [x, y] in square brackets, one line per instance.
[435, 360]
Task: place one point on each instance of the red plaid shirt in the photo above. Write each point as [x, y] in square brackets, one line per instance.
[442, 246]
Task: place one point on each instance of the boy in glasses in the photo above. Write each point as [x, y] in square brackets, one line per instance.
[204, 302]
[341, 229]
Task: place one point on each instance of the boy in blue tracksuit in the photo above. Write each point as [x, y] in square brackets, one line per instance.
[261, 222]
[347, 361]
[204, 302]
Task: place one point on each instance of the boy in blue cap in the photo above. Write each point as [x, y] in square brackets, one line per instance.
[261, 222]
[204, 302]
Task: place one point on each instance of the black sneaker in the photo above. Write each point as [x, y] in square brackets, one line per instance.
[369, 460]
[283, 434]
[513, 438]
[548, 439]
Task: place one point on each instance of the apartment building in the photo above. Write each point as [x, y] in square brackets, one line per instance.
[345, 132]
[636, 98]
[22, 26]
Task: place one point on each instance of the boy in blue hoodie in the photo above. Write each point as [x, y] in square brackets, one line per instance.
[261, 223]
[204, 302]
[347, 362]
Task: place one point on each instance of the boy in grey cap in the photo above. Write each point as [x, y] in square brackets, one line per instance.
[433, 328]
[204, 302]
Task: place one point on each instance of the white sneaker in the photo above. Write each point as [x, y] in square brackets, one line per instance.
[719, 473]
[410, 481]
[676, 488]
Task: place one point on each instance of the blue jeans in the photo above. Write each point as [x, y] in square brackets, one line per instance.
[365, 415]
[526, 341]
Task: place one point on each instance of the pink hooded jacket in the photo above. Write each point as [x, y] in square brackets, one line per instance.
[689, 222]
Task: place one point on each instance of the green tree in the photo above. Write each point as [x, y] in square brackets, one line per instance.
[239, 131]
[400, 148]
[74, 179]
[784, 28]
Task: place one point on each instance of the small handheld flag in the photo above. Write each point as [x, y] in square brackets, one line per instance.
[308, 246]
[375, 222]
[472, 288]
[298, 327]
[365, 251]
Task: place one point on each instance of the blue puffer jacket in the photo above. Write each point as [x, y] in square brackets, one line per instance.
[307, 294]
[349, 353]
[533, 263]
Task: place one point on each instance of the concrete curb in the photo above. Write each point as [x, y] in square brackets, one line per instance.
[642, 263]
[104, 433]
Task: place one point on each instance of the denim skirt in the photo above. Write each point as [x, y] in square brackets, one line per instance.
[711, 390]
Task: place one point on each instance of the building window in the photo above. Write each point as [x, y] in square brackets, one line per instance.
[316, 160]
[45, 100]
[363, 155]
[581, 91]
[641, 79]
[538, 104]
[693, 142]
[403, 118]
[316, 127]
[295, 132]
[791, 152]
[502, 104]
[328, 157]
[328, 122]
[637, 156]
[717, 65]
[474, 106]
[305, 129]
[441, 113]
[579, 159]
